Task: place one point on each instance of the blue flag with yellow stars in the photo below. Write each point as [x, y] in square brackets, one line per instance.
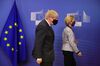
[12, 39]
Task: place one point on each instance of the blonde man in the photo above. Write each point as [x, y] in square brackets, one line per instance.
[69, 43]
[44, 39]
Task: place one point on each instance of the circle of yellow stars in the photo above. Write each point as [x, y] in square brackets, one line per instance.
[7, 32]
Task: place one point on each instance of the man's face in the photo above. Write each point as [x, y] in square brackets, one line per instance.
[54, 20]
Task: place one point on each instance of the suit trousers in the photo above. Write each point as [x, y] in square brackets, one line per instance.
[46, 64]
[69, 58]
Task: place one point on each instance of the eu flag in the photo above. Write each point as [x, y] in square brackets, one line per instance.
[12, 38]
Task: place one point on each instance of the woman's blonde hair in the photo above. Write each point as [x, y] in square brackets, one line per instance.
[51, 13]
[69, 19]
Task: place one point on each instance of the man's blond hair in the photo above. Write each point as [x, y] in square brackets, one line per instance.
[51, 13]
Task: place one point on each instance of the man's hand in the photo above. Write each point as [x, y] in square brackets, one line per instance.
[39, 60]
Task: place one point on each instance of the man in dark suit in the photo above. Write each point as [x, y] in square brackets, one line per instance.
[44, 39]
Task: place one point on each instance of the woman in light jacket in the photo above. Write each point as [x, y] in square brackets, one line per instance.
[69, 43]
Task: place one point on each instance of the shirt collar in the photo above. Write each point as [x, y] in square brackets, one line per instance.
[48, 22]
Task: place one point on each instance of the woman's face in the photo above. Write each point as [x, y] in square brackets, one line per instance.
[72, 21]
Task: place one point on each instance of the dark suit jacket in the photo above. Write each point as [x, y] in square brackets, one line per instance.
[44, 40]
